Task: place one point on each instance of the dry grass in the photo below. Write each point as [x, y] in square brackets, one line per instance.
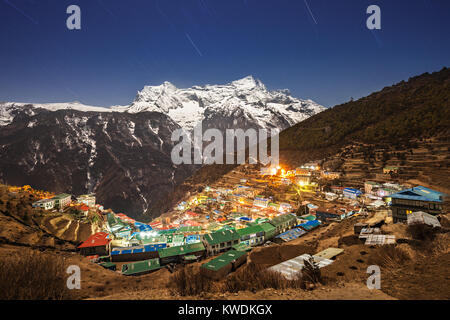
[422, 232]
[33, 276]
[190, 281]
[389, 256]
[255, 278]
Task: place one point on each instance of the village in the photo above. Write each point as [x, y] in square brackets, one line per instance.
[251, 206]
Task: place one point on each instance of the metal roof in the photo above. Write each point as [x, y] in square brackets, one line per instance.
[138, 249]
[249, 230]
[310, 225]
[329, 253]
[419, 193]
[380, 239]
[140, 266]
[290, 268]
[61, 196]
[223, 260]
[279, 220]
[181, 250]
[96, 240]
[291, 234]
[420, 217]
[221, 236]
[267, 227]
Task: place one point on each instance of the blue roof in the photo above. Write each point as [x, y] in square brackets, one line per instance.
[291, 234]
[310, 224]
[419, 193]
[352, 190]
[138, 249]
[193, 238]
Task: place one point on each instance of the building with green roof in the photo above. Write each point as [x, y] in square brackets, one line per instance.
[219, 267]
[269, 230]
[140, 267]
[253, 235]
[189, 229]
[284, 222]
[220, 241]
[242, 246]
[175, 239]
[176, 253]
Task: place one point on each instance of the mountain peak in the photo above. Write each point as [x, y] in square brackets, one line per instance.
[248, 82]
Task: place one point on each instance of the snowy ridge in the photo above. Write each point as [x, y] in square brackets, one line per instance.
[188, 107]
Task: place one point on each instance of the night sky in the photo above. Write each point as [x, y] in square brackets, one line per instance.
[318, 49]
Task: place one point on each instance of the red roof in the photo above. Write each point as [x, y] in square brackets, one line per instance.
[192, 223]
[96, 240]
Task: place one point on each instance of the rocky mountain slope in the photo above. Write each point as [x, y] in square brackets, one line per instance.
[123, 153]
[124, 158]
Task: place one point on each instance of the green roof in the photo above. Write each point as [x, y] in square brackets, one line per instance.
[190, 229]
[221, 236]
[107, 264]
[308, 217]
[249, 230]
[277, 221]
[269, 230]
[227, 227]
[213, 225]
[164, 232]
[160, 239]
[267, 227]
[175, 238]
[242, 247]
[61, 196]
[223, 260]
[190, 257]
[140, 266]
[181, 250]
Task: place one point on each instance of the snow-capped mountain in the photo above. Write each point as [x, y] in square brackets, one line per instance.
[123, 153]
[247, 97]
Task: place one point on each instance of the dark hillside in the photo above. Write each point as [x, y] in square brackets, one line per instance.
[417, 108]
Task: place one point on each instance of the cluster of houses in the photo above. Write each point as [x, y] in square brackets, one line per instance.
[229, 220]
[60, 202]
[185, 244]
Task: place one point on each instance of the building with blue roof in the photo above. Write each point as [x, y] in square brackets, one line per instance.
[351, 193]
[415, 199]
[290, 235]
